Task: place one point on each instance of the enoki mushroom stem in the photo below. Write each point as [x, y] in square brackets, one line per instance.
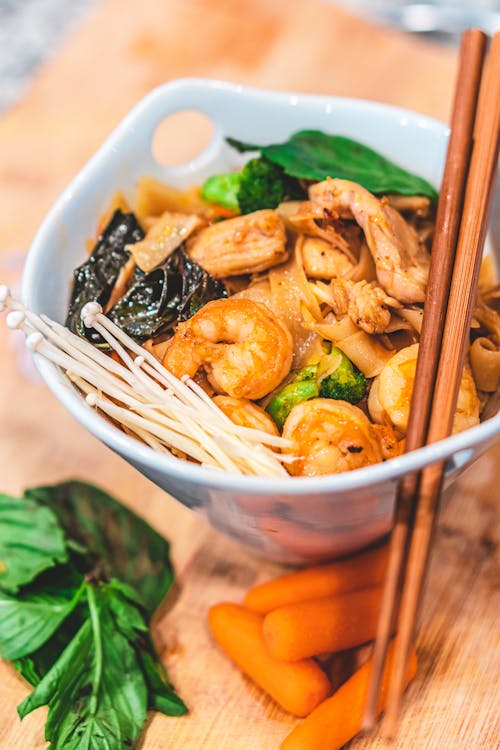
[159, 409]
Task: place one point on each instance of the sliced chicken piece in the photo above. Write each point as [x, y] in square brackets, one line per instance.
[307, 218]
[321, 260]
[366, 303]
[412, 204]
[401, 262]
[332, 247]
[245, 244]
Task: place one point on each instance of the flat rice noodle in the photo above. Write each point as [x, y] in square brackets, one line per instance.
[167, 233]
[334, 329]
[153, 198]
[398, 324]
[488, 318]
[485, 364]
[412, 315]
[487, 274]
[366, 352]
[292, 296]
[259, 291]
[364, 269]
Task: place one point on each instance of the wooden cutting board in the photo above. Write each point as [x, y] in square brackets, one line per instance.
[121, 51]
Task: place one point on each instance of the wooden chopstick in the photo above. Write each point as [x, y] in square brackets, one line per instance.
[472, 49]
[473, 228]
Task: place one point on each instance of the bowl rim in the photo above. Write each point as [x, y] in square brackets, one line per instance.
[178, 469]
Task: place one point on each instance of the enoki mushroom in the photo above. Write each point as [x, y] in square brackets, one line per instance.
[162, 411]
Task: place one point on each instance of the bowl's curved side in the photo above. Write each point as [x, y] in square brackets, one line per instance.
[247, 114]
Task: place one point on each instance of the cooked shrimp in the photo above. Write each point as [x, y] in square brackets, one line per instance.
[366, 303]
[391, 391]
[401, 262]
[244, 348]
[330, 436]
[243, 412]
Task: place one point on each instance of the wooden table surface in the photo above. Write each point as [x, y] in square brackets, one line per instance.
[121, 51]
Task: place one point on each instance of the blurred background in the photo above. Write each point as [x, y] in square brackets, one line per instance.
[31, 30]
[69, 72]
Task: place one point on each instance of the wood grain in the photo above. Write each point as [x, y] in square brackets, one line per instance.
[123, 50]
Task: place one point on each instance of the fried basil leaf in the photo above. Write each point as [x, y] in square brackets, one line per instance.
[30, 541]
[119, 543]
[94, 280]
[171, 293]
[198, 286]
[314, 155]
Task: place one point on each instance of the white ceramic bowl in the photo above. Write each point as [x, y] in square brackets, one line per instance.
[292, 520]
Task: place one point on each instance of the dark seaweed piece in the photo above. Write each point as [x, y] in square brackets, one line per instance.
[94, 280]
[169, 294]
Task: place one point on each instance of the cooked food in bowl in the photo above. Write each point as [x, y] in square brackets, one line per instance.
[291, 297]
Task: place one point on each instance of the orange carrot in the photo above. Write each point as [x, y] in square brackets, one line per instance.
[351, 574]
[321, 626]
[338, 719]
[298, 687]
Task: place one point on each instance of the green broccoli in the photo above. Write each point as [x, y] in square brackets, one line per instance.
[222, 189]
[264, 184]
[309, 372]
[260, 184]
[339, 378]
[334, 376]
[302, 387]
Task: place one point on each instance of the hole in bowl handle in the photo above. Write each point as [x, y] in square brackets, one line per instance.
[138, 128]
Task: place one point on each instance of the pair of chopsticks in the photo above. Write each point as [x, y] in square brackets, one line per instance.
[461, 224]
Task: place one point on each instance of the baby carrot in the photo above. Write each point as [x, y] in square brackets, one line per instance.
[321, 626]
[338, 719]
[298, 687]
[354, 573]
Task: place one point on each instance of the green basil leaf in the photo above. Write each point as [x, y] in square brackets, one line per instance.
[31, 541]
[35, 665]
[121, 543]
[29, 619]
[124, 608]
[314, 155]
[96, 691]
[161, 695]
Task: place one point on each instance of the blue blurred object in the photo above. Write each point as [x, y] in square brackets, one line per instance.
[441, 19]
[30, 31]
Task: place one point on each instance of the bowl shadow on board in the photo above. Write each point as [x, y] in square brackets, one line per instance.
[296, 520]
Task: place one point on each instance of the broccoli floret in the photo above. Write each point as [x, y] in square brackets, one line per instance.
[334, 376]
[309, 372]
[260, 184]
[302, 388]
[339, 378]
[264, 184]
[222, 189]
